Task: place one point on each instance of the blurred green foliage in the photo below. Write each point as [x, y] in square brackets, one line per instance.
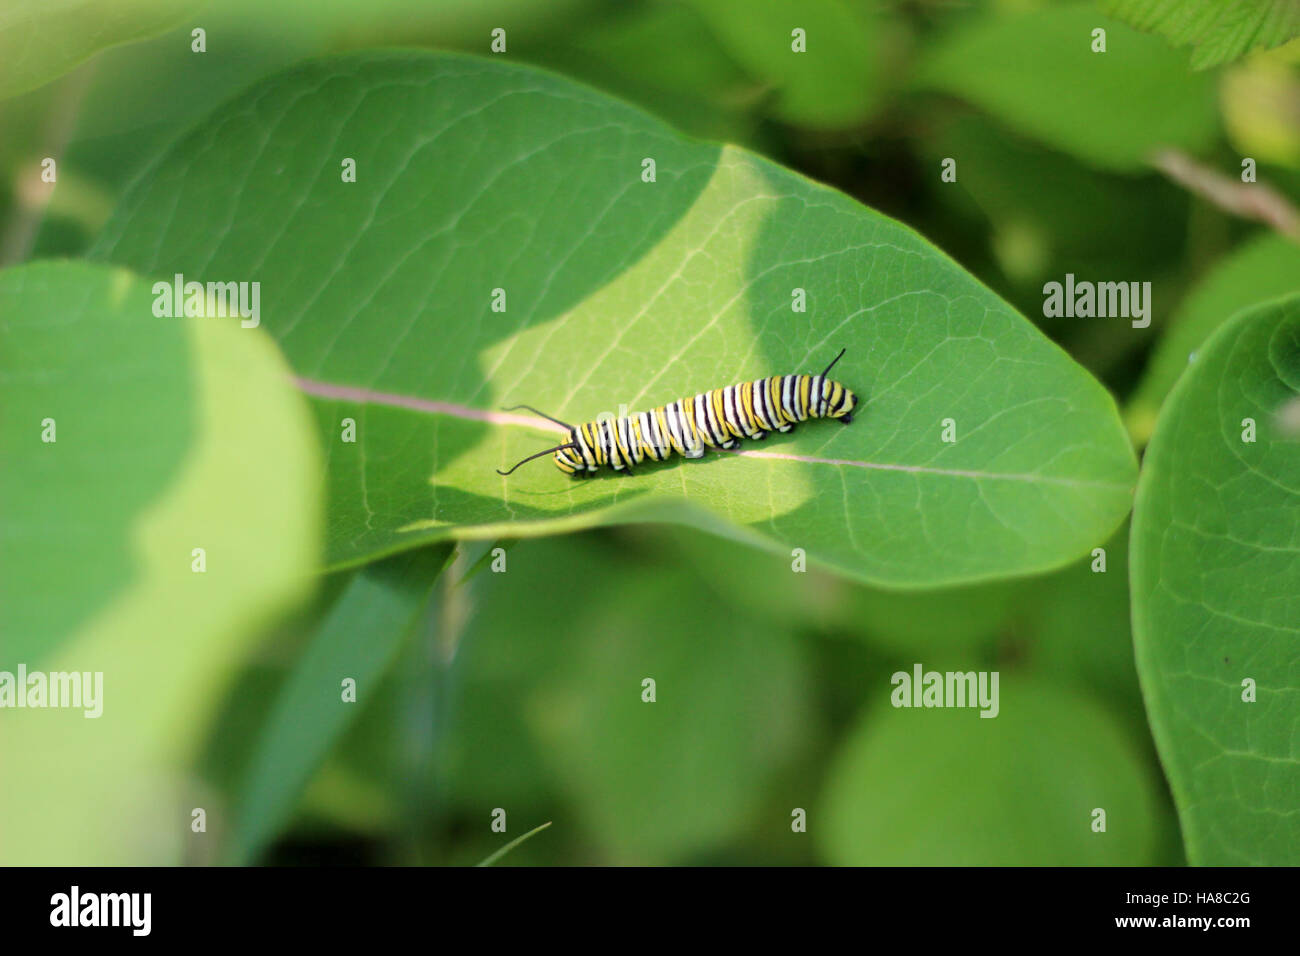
[522, 689]
[1078, 82]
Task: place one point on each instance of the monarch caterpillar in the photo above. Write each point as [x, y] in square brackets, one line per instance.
[716, 419]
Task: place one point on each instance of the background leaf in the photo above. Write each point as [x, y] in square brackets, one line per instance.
[1218, 32]
[1080, 629]
[1215, 585]
[911, 622]
[555, 694]
[946, 787]
[835, 82]
[41, 39]
[172, 422]
[668, 288]
[1260, 101]
[358, 639]
[1036, 72]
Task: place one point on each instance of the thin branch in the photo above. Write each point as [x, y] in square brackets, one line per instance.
[1257, 201]
[31, 195]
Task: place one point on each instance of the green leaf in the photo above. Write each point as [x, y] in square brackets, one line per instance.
[1077, 633]
[171, 435]
[557, 688]
[475, 175]
[1037, 73]
[699, 89]
[835, 81]
[43, 39]
[1219, 32]
[358, 640]
[1264, 268]
[1215, 580]
[1068, 208]
[945, 787]
[1258, 101]
[947, 620]
[1080, 631]
[896, 621]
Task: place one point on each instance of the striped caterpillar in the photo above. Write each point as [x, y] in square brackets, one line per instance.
[688, 427]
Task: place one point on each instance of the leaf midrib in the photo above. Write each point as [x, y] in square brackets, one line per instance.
[366, 396]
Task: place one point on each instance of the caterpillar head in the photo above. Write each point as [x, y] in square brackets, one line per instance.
[838, 401]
